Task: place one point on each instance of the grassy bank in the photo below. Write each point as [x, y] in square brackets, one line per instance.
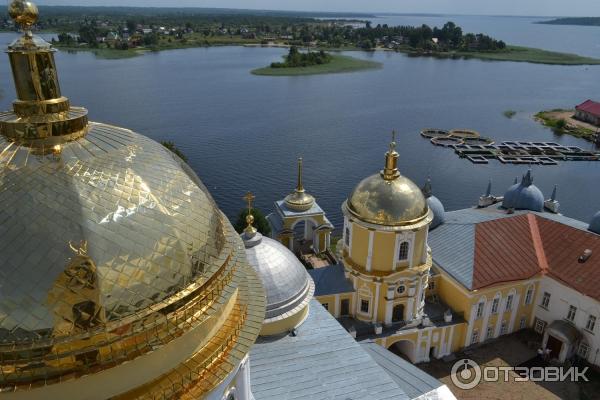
[104, 53]
[561, 123]
[338, 64]
[517, 54]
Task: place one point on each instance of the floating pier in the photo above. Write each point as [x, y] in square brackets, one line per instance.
[479, 150]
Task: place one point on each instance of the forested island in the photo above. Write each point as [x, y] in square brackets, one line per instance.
[313, 63]
[583, 21]
[114, 32]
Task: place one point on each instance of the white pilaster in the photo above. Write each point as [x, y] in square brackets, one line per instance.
[486, 318]
[470, 325]
[336, 306]
[425, 246]
[396, 250]
[376, 300]
[370, 253]
[442, 343]
[513, 315]
[449, 346]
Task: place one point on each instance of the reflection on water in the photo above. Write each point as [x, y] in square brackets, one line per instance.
[243, 132]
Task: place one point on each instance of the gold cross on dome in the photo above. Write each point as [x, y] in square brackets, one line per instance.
[393, 143]
[249, 197]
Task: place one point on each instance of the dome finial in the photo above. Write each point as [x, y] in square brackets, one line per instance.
[488, 192]
[553, 197]
[390, 172]
[300, 187]
[24, 13]
[250, 230]
[527, 178]
[427, 188]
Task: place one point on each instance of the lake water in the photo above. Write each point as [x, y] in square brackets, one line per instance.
[243, 132]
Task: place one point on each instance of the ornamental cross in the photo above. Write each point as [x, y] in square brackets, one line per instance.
[249, 197]
[393, 143]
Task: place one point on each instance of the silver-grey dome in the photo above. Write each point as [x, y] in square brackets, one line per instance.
[435, 205]
[439, 213]
[524, 195]
[284, 278]
[595, 224]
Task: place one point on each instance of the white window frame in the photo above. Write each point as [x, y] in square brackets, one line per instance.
[489, 333]
[503, 328]
[591, 323]
[539, 326]
[475, 337]
[360, 304]
[509, 301]
[480, 310]
[571, 314]
[523, 323]
[529, 295]
[546, 300]
[495, 305]
[403, 287]
[583, 350]
[400, 252]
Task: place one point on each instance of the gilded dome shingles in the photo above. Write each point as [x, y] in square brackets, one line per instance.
[141, 217]
[394, 202]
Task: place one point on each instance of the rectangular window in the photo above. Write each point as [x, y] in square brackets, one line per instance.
[490, 333]
[364, 306]
[503, 328]
[479, 310]
[572, 313]
[326, 306]
[523, 323]
[529, 296]
[583, 350]
[546, 300]
[475, 337]
[539, 326]
[495, 304]
[509, 301]
[591, 323]
[347, 237]
[403, 253]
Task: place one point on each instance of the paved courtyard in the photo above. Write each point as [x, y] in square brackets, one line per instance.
[512, 350]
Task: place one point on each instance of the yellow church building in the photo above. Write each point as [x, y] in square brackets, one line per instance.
[426, 283]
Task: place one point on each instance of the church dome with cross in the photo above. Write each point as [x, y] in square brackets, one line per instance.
[388, 198]
[288, 286]
[119, 273]
[384, 246]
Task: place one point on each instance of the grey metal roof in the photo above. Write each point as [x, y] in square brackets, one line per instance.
[453, 243]
[331, 280]
[322, 362]
[595, 224]
[284, 278]
[524, 195]
[411, 379]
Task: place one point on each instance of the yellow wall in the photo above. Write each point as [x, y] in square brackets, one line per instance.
[383, 251]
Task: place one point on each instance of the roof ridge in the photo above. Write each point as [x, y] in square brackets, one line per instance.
[538, 244]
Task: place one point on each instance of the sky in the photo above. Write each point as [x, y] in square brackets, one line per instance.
[479, 7]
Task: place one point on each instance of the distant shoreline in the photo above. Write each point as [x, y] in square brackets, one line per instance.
[576, 21]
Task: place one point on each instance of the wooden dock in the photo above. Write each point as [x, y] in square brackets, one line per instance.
[480, 150]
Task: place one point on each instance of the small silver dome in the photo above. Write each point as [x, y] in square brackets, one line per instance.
[524, 195]
[595, 224]
[435, 205]
[286, 282]
[439, 213]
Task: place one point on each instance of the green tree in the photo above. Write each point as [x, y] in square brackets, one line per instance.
[260, 222]
[171, 146]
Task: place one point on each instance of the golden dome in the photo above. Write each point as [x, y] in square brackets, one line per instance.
[388, 198]
[299, 200]
[24, 13]
[115, 259]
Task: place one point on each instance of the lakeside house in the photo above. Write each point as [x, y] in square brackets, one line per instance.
[588, 111]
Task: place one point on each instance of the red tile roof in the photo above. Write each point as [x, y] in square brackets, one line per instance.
[590, 106]
[504, 252]
[523, 246]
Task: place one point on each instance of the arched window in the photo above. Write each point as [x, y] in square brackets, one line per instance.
[347, 236]
[403, 252]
